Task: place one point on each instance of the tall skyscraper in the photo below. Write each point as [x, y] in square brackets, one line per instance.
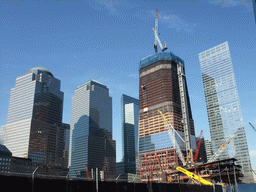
[34, 126]
[91, 130]
[161, 89]
[130, 131]
[223, 106]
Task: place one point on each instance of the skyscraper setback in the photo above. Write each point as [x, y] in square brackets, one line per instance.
[34, 126]
[91, 130]
[223, 106]
[160, 89]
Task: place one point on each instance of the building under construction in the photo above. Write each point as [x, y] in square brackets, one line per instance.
[161, 89]
[166, 128]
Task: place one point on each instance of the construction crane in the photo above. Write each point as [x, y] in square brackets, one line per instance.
[156, 29]
[156, 36]
[184, 106]
[221, 150]
[159, 42]
[171, 133]
[192, 175]
[252, 126]
[198, 146]
[87, 172]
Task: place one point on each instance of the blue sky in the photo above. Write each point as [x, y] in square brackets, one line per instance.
[106, 39]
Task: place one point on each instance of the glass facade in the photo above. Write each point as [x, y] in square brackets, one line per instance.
[223, 106]
[161, 141]
[130, 131]
[91, 130]
[34, 122]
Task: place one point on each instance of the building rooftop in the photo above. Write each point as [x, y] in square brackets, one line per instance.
[40, 69]
[159, 56]
[4, 150]
[90, 82]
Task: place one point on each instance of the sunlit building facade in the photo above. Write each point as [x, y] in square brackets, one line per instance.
[91, 140]
[34, 126]
[223, 106]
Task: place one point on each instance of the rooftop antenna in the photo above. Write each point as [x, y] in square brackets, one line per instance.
[156, 29]
[156, 36]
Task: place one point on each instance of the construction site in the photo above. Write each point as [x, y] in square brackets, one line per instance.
[168, 151]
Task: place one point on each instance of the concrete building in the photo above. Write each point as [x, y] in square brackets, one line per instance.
[208, 148]
[223, 106]
[160, 89]
[34, 126]
[91, 130]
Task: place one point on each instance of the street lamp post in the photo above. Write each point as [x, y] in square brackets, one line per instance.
[33, 177]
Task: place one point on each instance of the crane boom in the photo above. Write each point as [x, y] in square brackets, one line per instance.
[221, 150]
[171, 133]
[192, 175]
[198, 146]
[159, 42]
[252, 126]
[87, 172]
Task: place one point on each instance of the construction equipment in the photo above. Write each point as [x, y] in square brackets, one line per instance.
[87, 172]
[253, 171]
[184, 106]
[198, 146]
[221, 150]
[189, 160]
[156, 29]
[171, 133]
[159, 42]
[252, 126]
[144, 95]
[192, 175]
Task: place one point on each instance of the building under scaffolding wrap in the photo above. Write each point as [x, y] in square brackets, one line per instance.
[161, 90]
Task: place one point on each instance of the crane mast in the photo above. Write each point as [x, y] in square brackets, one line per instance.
[184, 107]
[156, 29]
[156, 36]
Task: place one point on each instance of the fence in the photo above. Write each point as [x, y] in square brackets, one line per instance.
[25, 183]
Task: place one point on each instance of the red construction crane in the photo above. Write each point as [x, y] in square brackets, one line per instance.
[87, 172]
[198, 147]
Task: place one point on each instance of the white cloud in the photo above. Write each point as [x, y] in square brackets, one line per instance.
[174, 21]
[253, 153]
[231, 3]
[109, 4]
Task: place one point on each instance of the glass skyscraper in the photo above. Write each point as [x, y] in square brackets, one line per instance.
[130, 131]
[223, 106]
[91, 130]
[34, 126]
